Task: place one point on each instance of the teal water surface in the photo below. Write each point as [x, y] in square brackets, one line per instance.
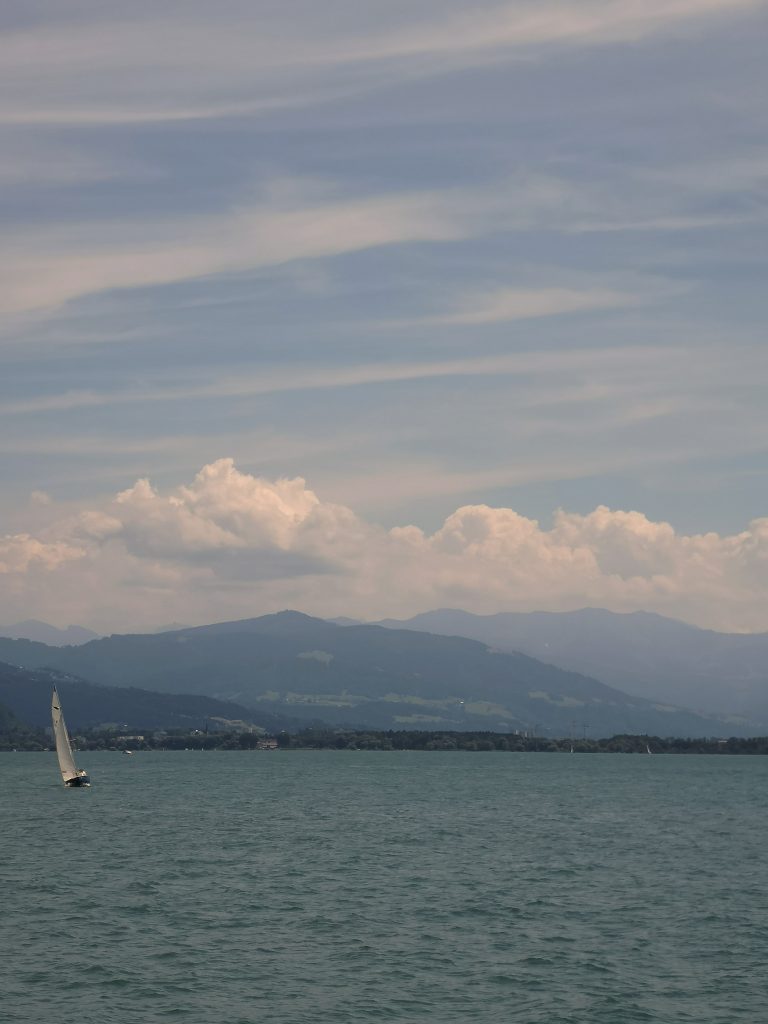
[300, 886]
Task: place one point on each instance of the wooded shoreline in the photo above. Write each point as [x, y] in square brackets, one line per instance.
[25, 739]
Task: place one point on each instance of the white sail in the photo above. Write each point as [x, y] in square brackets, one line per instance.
[63, 748]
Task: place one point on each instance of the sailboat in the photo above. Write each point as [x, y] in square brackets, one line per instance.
[70, 773]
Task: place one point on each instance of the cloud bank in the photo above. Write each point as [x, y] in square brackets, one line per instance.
[230, 544]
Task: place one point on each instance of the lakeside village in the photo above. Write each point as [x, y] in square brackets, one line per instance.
[25, 738]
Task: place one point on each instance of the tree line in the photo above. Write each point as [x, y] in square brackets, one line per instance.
[15, 736]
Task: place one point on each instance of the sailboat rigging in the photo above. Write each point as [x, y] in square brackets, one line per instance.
[70, 773]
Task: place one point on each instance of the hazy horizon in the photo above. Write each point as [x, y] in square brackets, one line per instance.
[150, 628]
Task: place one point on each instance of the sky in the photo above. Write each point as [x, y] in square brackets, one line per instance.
[366, 308]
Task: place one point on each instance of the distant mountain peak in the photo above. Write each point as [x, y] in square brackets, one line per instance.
[291, 615]
[45, 633]
[286, 621]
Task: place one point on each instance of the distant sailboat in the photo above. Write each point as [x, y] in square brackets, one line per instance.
[70, 773]
[648, 749]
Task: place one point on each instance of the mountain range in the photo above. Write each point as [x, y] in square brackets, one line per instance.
[294, 665]
[639, 653]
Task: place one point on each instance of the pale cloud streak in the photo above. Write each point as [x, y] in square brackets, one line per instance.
[279, 380]
[248, 60]
[507, 304]
[42, 269]
[35, 162]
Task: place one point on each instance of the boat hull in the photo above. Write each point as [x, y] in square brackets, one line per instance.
[79, 781]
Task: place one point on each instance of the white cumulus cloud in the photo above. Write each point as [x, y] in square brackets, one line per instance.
[232, 544]
[19, 553]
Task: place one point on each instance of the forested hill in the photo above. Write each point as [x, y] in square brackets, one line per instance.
[8, 721]
[26, 696]
[292, 664]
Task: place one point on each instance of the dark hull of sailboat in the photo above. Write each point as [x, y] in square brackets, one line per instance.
[81, 780]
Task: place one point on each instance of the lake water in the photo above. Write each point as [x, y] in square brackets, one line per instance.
[297, 887]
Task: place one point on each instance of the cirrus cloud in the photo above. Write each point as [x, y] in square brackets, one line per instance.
[185, 61]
